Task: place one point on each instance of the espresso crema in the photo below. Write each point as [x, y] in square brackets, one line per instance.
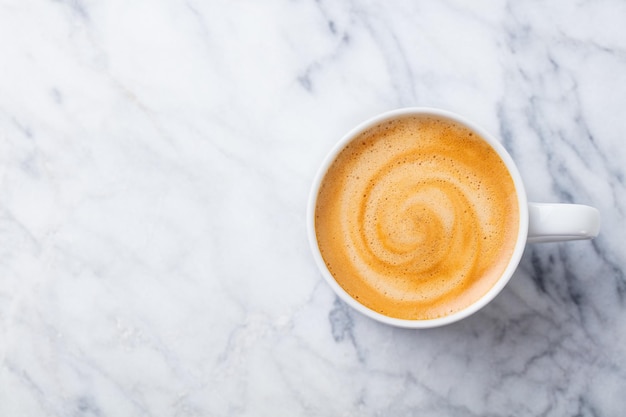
[417, 218]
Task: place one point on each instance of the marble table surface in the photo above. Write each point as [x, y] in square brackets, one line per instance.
[155, 164]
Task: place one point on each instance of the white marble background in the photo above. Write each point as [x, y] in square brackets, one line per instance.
[155, 161]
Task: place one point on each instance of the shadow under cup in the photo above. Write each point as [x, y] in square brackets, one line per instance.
[358, 221]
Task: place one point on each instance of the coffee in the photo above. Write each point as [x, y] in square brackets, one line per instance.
[417, 217]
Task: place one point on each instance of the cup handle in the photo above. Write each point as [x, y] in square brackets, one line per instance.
[560, 222]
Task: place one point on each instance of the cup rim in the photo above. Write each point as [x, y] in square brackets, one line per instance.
[519, 244]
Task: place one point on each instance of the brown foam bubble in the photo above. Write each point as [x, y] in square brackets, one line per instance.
[417, 218]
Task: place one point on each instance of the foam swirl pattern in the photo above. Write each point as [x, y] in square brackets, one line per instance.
[417, 218]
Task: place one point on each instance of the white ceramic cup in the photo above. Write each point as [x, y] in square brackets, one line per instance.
[538, 222]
